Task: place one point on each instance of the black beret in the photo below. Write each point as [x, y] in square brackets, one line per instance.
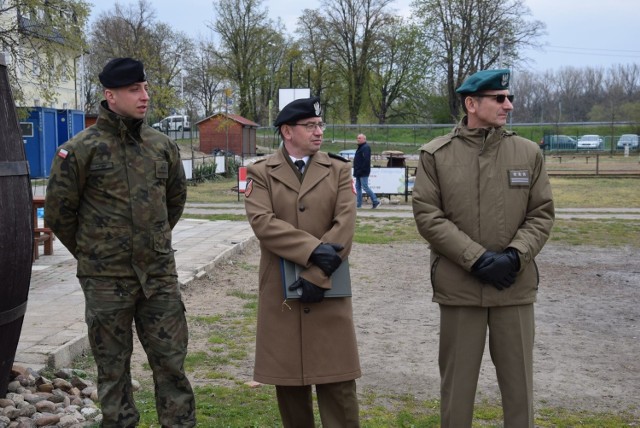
[485, 79]
[122, 72]
[299, 109]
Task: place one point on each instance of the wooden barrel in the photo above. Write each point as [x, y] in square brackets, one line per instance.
[16, 230]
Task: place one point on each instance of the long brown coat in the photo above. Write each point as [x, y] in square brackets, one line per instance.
[296, 343]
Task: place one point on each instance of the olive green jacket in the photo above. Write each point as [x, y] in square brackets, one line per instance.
[478, 190]
[115, 192]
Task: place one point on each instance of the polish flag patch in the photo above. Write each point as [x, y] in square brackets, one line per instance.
[63, 153]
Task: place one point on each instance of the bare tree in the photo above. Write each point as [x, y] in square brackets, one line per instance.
[620, 91]
[398, 64]
[132, 31]
[166, 57]
[92, 90]
[352, 29]
[248, 37]
[315, 50]
[44, 42]
[470, 35]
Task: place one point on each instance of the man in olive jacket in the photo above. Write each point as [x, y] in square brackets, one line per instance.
[115, 192]
[483, 201]
[304, 214]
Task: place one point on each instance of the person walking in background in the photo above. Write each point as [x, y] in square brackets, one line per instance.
[299, 203]
[483, 201]
[115, 192]
[362, 170]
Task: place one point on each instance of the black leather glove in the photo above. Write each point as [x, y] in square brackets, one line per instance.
[311, 293]
[325, 256]
[514, 257]
[498, 269]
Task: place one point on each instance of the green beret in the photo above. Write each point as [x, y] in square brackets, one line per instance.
[122, 72]
[485, 79]
[301, 108]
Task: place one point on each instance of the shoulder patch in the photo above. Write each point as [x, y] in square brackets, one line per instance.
[335, 156]
[436, 144]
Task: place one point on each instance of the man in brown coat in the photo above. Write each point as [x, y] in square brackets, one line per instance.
[300, 203]
[482, 200]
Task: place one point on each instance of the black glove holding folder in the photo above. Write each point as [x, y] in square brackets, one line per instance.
[326, 257]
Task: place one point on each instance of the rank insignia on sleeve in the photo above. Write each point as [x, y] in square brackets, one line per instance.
[63, 153]
[249, 188]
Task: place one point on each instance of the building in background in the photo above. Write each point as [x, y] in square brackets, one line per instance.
[229, 133]
[43, 44]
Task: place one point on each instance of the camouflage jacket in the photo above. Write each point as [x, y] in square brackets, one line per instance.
[115, 192]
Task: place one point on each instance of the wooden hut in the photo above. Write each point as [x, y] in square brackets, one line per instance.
[229, 133]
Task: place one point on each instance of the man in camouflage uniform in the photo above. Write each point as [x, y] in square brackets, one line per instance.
[115, 192]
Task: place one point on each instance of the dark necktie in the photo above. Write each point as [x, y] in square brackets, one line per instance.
[300, 164]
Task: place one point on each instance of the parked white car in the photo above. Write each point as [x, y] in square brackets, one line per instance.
[589, 142]
[630, 140]
[347, 154]
[173, 123]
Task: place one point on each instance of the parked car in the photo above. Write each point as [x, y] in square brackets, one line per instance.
[173, 123]
[589, 142]
[347, 154]
[630, 140]
[557, 142]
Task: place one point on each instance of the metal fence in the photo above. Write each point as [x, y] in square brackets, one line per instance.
[584, 164]
[409, 138]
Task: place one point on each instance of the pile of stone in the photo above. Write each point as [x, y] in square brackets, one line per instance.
[66, 401]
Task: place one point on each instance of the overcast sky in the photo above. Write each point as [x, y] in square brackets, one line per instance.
[579, 32]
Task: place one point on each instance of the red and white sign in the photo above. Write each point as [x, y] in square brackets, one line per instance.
[242, 179]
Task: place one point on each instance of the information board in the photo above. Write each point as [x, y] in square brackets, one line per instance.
[387, 181]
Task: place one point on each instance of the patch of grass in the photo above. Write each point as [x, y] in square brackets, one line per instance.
[371, 230]
[566, 418]
[215, 191]
[600, 233]
[591, 192]
[212, 319]
[247, 267]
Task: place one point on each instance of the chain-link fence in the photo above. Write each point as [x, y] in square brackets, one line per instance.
[552, 137]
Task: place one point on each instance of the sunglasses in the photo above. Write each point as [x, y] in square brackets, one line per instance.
[499, 97]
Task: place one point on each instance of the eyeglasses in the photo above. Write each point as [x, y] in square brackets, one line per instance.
[498, 97]
[311, 126]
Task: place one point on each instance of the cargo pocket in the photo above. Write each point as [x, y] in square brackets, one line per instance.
[162, 239]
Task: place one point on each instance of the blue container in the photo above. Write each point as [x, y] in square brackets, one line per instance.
[40, 138]
[70, 122]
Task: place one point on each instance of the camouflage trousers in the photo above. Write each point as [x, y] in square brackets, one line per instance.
[112, 304]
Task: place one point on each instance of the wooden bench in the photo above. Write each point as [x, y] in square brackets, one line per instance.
[44, 236]
[41, 235]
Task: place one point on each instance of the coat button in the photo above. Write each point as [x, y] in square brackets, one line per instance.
[307, 310]
[301, 208]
